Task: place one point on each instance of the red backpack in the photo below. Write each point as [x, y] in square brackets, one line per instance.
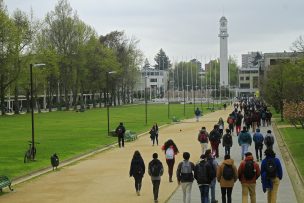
[203, 137]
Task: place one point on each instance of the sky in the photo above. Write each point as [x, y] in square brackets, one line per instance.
[187, 29]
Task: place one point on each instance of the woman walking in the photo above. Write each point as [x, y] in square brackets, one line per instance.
[154, 134]
[227, 175]
[137, 170]
[170, 150]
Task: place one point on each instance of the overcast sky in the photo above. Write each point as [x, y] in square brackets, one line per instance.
[189, 28]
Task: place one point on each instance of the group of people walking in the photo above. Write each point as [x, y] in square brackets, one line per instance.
[207, 171]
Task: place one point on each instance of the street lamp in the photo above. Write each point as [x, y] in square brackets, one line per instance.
[32, 107]
[107, 100]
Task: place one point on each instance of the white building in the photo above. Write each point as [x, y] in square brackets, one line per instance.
[223, 35]
[154, 80]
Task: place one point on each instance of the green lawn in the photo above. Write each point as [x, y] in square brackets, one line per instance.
[71, 133]
[294, 138]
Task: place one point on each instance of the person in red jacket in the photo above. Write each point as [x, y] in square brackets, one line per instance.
[248, 173]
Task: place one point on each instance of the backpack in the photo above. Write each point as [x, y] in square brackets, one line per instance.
[228, 173]
[271, 168]
[169, 153]
[213, 170]
[249, 171]
[203, 172]
[186, 171]
[268, 140]
[119, 131]
[155, 169]
[203, 137]
[259, 138]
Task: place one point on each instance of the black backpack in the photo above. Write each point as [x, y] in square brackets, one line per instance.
[271, 168]
[249, 170]
[213, 170]
[228, 173]
[155, 169]
[202, 172]
[269, 140]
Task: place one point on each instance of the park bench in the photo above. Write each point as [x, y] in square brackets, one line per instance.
[5, 182]
[130, 136]
[174, 119]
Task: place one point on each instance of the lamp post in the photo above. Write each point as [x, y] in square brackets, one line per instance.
[184, 101]
[107, 100]
[146, 103]
[168, 99]
[32, 107]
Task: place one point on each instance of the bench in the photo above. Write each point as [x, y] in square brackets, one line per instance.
[5, 182]
[174, 119]
[130, 136]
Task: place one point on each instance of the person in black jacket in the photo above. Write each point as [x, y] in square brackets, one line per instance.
[227, 142]
[155, 170]
[120, 132]
[202, 174]
[137, 170]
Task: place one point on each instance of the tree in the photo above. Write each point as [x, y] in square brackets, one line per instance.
[298, 44]
[162, 61]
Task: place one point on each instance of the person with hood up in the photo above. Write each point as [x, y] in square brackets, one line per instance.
[272, 173]
[248, 173]
[227, 175]
[137, 170]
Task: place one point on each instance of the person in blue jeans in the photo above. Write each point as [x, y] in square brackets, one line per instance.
[202, 171]
[245, 141]
[213, 163]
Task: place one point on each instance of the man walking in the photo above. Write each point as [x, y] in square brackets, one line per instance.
[269, 140]
[198, 114]
[245, 141]
[203, 139]
[215, 140]
[213, 163]
[248, 173]
[185, 177]
[120, 132]
[155, 170]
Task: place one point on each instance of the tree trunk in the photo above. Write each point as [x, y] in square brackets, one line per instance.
[28, 107]
[282, 110]
[2, 95]
[16, 102]
[93, 99]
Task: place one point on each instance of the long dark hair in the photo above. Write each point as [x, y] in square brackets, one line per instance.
[137, 155]
[170, 143]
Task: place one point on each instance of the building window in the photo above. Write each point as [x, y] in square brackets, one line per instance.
[247, 78]
[244, 85]
[241, 78]
[153, 80]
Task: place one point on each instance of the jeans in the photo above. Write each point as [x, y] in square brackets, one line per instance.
[204, 189]
[248, 188]
[170, 163]
[244, 149]
[138, 181]
[228, 191]
[121, 141]
[212, 187]
[186, 187]
[272, 194]
[227, 150]
[258, 148]
[155, 184]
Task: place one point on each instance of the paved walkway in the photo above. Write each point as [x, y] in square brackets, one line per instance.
[104, 176]
[285, 193]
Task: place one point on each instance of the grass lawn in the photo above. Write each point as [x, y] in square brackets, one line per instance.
[294, 138]
[71, 133]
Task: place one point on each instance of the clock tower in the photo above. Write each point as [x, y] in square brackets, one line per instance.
[223, 35]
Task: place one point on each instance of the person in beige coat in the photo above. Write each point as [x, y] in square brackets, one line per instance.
[227, 175]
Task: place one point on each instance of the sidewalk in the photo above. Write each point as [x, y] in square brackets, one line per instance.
[285, 193]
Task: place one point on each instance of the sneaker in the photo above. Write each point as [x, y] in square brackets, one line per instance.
[156, 200]
[138, 193]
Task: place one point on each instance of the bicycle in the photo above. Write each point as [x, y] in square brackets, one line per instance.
[30, 153]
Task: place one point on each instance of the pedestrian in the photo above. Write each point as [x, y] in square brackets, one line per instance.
[185, 177]
[202, 175]
[269, 140]
[213, 163]
[227, 142]
[197, 113]
[137, 170]
[268, 117]
[230, 121]
[225, 106]
[154, 134]
[248, 173]
[221, 126]
[247, 120]
[238, 122]
[203, 139]
[170, 150]
[254, 119]
[245, 141]
[155, 170]
[227, 175]
[120, 132]
[271, 174]
[258, 143]
[215, 140]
